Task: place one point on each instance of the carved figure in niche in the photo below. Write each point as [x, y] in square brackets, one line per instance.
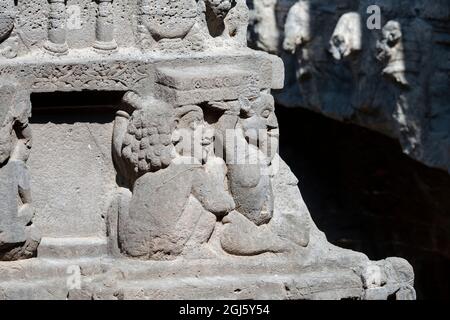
[391, 51]
[265, 25]
[18, 237]
[347, 36]
[310, 58]
[170, 24]
[179, 191]
[8, 40]
[405, 56]
[228, 20]
[297, 29]
[248, 229]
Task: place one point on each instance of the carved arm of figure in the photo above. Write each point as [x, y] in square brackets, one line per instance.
[347, 36]
[132, 102]
[230, 19]
[209, 187]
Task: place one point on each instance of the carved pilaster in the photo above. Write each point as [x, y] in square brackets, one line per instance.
[57, 32]
[105, 26]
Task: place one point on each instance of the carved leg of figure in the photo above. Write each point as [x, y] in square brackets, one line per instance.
[117, 214]
[195, 229]
[243, 238]
[23, 250]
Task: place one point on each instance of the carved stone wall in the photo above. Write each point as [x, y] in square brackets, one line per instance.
[183, 194]
[393, 80]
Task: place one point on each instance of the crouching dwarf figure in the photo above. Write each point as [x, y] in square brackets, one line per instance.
[178, 190]
[19, 239]
[250, 151]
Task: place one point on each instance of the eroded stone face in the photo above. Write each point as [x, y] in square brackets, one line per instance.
[187, 171]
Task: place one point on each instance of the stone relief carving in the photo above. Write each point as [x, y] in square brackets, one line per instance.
[169, 152]
[313, 34]
[186, 181]
[18, 237]
[228, 20]
[168, 25]
[298, 26]
[8, 36]
[114, 75]
[347, 36]
[265, 26]
[197, 180]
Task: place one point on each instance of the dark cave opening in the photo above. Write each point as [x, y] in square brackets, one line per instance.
[366, 195]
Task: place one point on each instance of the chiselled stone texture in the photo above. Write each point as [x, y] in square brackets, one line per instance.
[155, 170]
[394, 79]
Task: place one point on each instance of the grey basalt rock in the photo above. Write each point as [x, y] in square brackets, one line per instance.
[392, 79]
[173, 189]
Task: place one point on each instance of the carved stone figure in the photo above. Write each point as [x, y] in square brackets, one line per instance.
[228, 20]
[8, 48]
[297, 32]
[347, 36]
[18, 237]
[249, 151]
[175, 164]
[250, 177]
[391, 50]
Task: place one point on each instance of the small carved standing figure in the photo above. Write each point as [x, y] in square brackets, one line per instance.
[18, 237]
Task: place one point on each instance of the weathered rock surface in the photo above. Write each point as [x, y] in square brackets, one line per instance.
[182, 193]
[393, 79]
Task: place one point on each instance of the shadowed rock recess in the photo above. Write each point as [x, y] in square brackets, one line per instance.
[381, 64]
[133, 166]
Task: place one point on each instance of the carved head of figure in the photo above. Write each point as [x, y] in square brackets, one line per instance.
[347, 36]
[193, 136]
[147, 145]
[391, 36]
[259, 123]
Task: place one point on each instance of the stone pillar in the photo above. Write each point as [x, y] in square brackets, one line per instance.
[105, 27]
[57, 32]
